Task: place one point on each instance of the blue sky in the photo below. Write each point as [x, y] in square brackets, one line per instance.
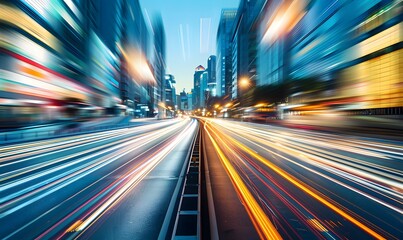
[190, 29]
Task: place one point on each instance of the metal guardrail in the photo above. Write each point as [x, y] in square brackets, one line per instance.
[188, 218]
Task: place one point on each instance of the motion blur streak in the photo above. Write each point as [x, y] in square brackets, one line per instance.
[359, 179]
[265, 228]
[136, 175]
[65, 185]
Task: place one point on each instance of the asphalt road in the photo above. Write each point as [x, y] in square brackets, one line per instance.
[114, 184]
[298, 184]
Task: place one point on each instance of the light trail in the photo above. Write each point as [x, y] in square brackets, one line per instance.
[134, 177]
[27, 186]
[358, 162]
[263, 225]
[392, 177]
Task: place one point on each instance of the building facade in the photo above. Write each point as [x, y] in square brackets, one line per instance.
[87, 47]
[190, 100]
[42, 71]
[199, 70]
[159, 63]
[204, 89]
[212, 75]
[244, 46]
[224, 52]
[354, 50]
[170, 91]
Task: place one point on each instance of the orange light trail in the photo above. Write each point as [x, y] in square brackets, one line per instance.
[263, 225]
[291, 179]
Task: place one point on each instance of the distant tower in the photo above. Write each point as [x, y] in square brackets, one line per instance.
[196, 85]
[159, 64]
[212, 80]
[224, 52]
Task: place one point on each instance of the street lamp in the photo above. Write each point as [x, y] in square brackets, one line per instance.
[244, 82]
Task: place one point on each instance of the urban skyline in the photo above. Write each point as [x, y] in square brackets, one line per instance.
[184, 33]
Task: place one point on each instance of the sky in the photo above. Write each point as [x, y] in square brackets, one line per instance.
[190, 29]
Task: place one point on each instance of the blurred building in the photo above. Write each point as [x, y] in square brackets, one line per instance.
[342, 56]
[118, 53]
[371, 79]
[190, 100]
[159, 62]
[41, 71]
[244, 46]
[105, 18]
[137, 74]
[170, 91]
[275, 21]
[354, 50]
[224, 52]
[183, 101]
[204, 89]
[178, 102]
[212, 75]
[199, 70]
[103, 27]
[89, 55]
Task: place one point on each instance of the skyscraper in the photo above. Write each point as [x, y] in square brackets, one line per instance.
[170, 92]
[103, 36]
[244, 45]
[224, 53]
[135, 42]
[183, 101]
[190, 100]
[159, 62]
[354, 50]
[62, 57]
[272, 60]
[212, 76]
[197, 85]
[204, 90]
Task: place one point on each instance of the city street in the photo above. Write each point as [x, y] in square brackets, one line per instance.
[215, 119]
[298, 184]
[96, 184]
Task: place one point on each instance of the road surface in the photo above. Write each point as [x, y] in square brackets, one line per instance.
[297, 184]
[114, 184]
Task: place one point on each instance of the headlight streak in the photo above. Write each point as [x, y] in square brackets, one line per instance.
[302, 136]
[300, 211]
[339, 170]
[48, 150]
[37, 145]
[261, 222]
[285, 175]
[46, 144]
[77, 172]
[134, 178]
[93, 200]
[55, 169]
[307, 138]
[347, 164]
[158, 134]
[92, 138]
[30, 168]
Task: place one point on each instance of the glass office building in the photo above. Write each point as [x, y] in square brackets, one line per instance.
[354, 48]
